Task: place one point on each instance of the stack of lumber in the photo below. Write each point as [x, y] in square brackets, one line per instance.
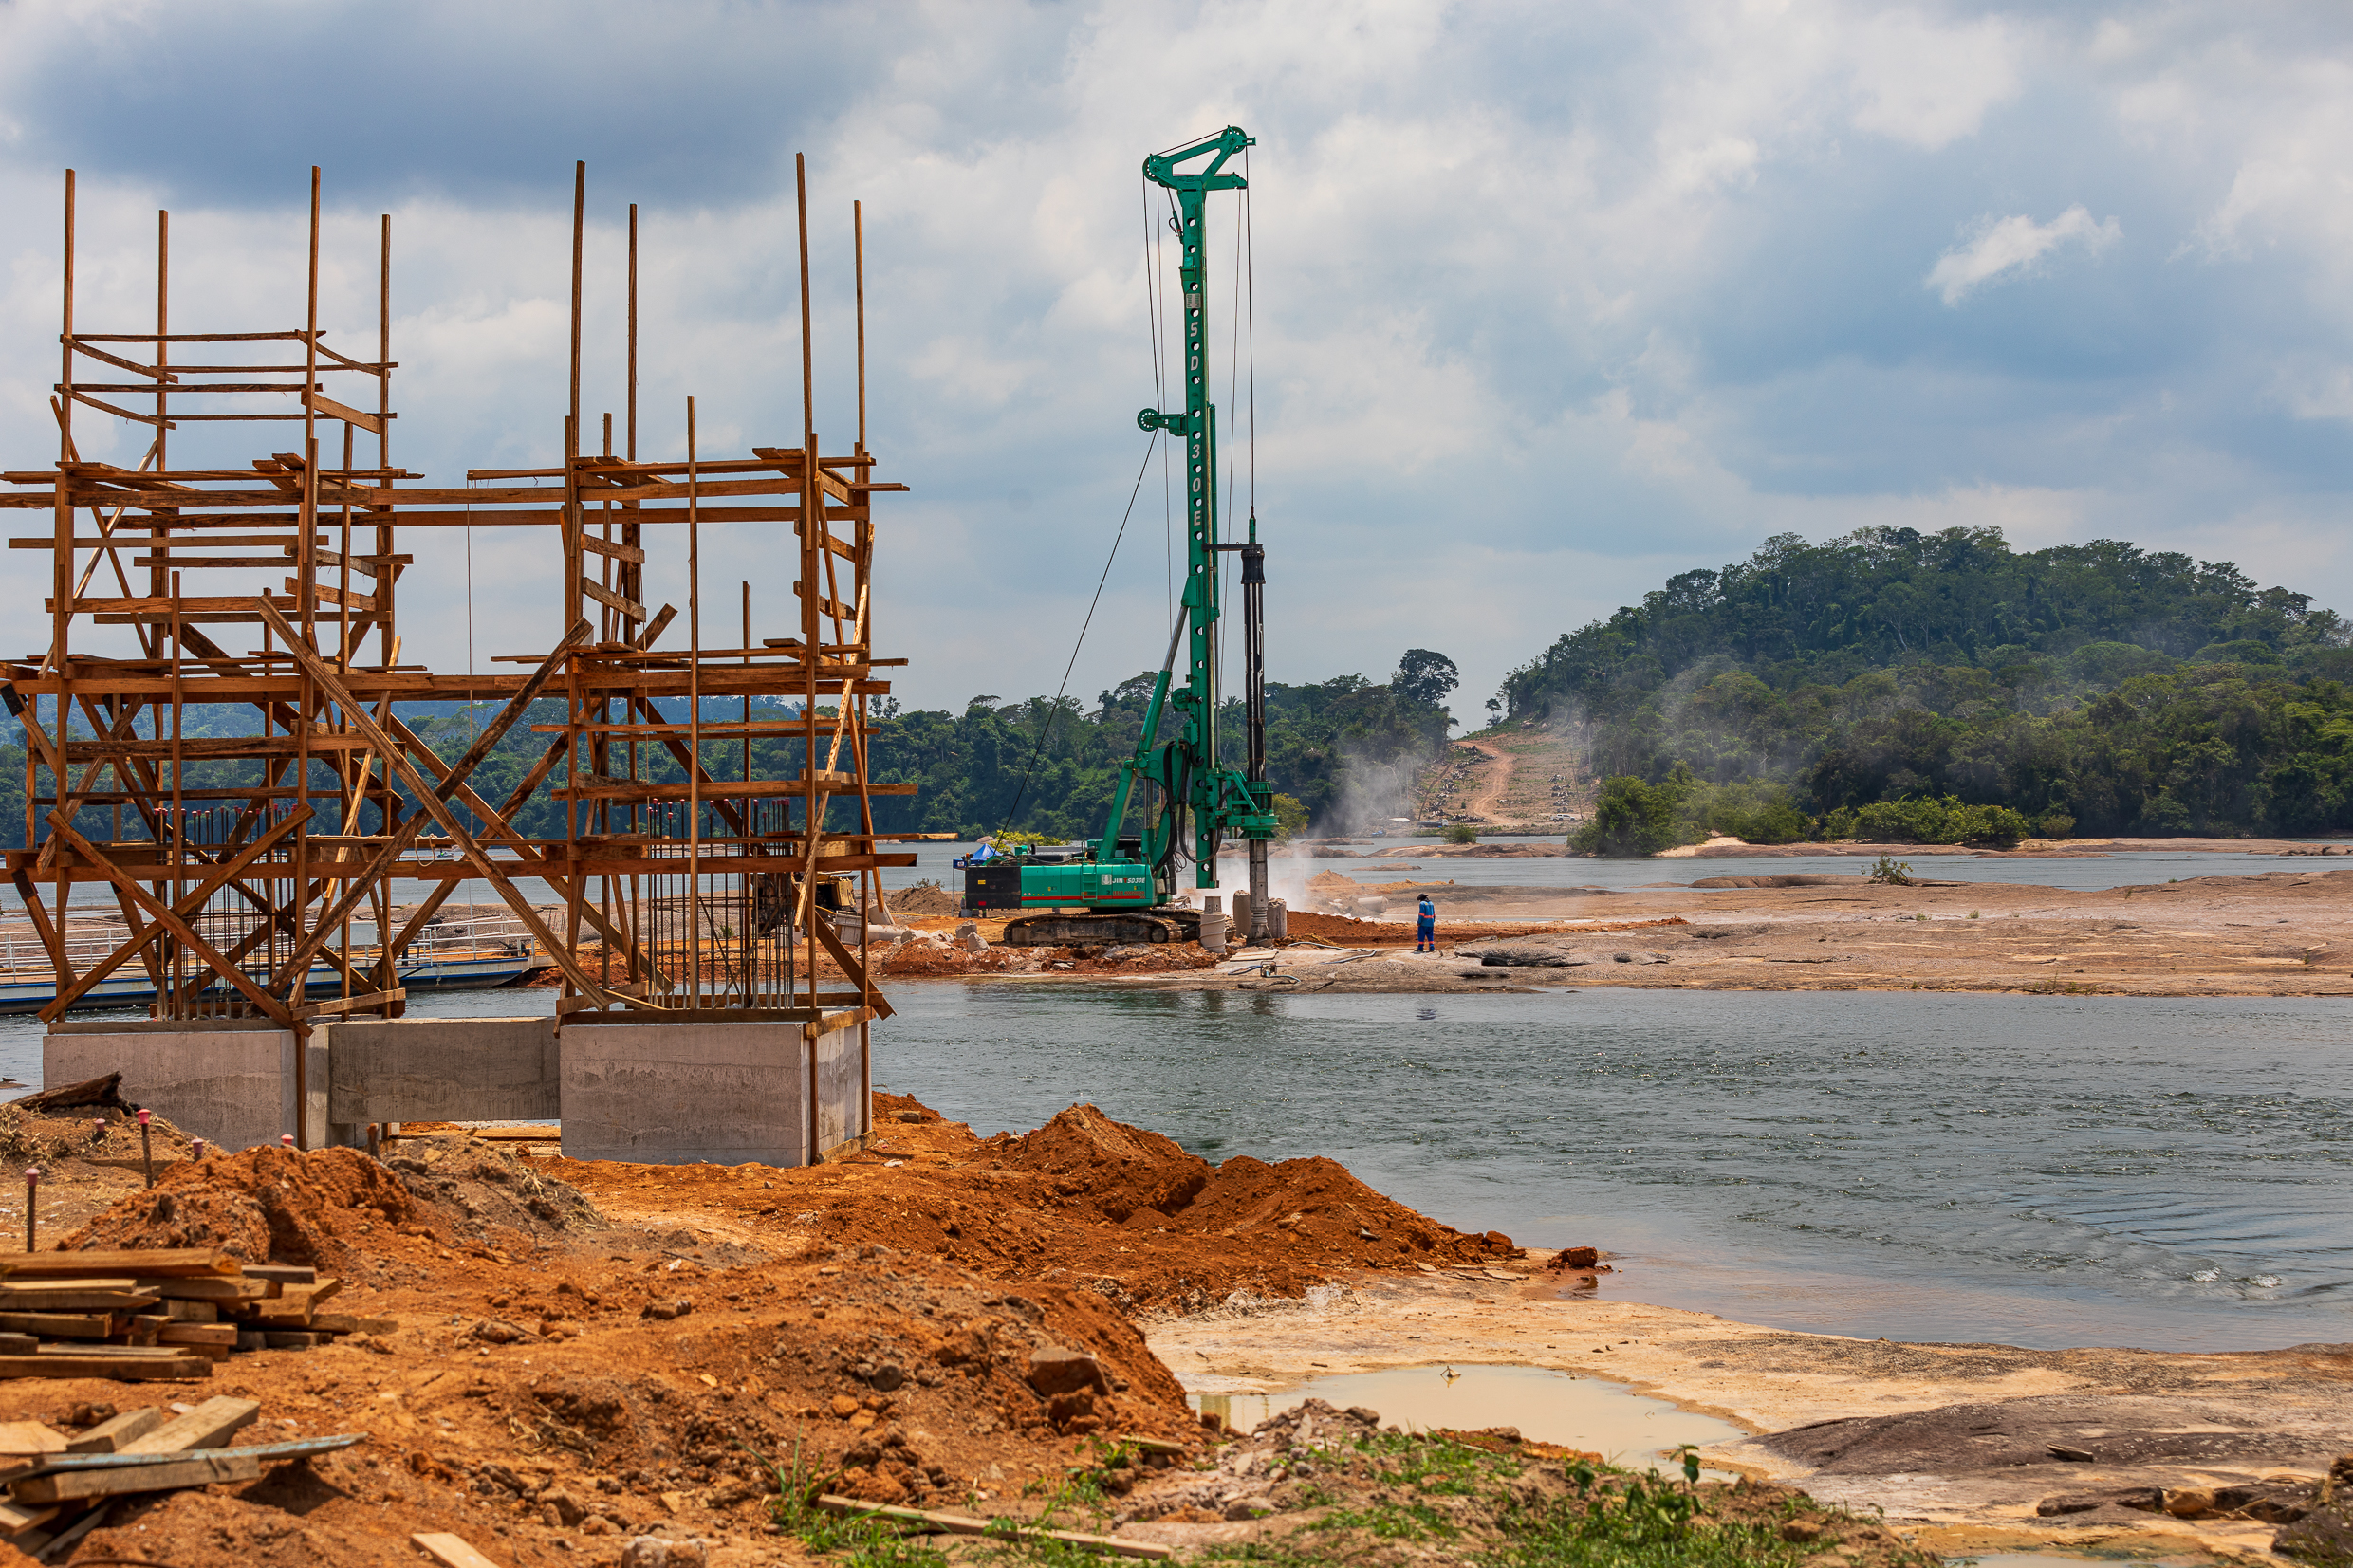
[59, 1486]
[157, 1313]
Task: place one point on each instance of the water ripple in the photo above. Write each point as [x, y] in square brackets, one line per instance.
[2058, 1171]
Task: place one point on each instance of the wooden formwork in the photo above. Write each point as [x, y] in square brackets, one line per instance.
[692, 886]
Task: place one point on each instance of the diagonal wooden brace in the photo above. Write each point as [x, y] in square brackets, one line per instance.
[495, 827]
[162, 915]
[356, 889]
[190, 903]
[356, 714]
[854, 971]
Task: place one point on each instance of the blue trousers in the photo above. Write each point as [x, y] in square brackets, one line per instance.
[1425, 933]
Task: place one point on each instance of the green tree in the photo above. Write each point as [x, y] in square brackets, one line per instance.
[1631, 819]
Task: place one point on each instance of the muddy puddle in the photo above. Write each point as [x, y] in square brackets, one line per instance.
[1546, 1406]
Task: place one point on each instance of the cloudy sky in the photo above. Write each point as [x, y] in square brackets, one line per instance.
[1551, 299]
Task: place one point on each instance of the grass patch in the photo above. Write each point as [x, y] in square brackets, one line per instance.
[1387, 1500]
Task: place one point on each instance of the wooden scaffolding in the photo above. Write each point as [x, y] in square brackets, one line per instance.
[263, 800]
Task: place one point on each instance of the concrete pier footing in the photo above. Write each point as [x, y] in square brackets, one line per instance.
[231, 1084]
[440, 1069]
[730, 1093]
[777, 1092]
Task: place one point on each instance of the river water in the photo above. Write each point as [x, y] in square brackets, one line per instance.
[2038, 1171]
[2035, 1170]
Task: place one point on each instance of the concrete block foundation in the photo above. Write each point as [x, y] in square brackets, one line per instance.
[440, 1069]
[232, 1086]
[729, 1093]
[764, 1091]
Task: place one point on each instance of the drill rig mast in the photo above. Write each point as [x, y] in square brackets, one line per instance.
[1127, 881]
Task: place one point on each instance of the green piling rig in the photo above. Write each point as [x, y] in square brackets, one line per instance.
[1126, 883]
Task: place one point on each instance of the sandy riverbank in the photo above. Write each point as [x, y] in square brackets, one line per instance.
[2274, 933]
[1954, 1442]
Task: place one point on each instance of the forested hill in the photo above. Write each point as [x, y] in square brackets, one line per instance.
[2100, 684]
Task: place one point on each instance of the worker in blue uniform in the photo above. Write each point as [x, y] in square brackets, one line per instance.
[1426, 926]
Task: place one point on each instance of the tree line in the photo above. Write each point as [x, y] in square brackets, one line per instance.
[1038, 765]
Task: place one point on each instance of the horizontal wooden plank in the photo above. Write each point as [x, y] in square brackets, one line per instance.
[284, 1274]
[136, 387]
[126, 1368]
[68, 1485]
[176, 1289]
[362, 1003]
[126, 1263]
[333, 596]
[58, 1325]
[721, 789]
[91, 604]
[72, 1295]
[198, 748]
[197, 1333]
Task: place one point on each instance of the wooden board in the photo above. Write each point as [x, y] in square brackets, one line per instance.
[110, 1436]
[66, 1486]
[208, 1426]
[56, 1325]
[284, 1274]
[20, 1437]
[449, 1550]
[198, 1333]
[964, 1524]
[124, 1369]
[15, 1518]
[126, 1263]
[280, 1315]
[210, 1290]
[74, 1296]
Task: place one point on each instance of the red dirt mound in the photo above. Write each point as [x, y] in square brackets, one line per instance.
[1325, 1207]
[1041, 1208]
[265, 1205]
[1118, 1167]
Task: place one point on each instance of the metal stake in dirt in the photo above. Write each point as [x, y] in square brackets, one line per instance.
[32, 1186]
[195, 1149]
[147, 1146]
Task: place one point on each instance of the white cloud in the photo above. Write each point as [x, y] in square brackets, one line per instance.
[1552, 301]
[2012, 246]
[1931, 85]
